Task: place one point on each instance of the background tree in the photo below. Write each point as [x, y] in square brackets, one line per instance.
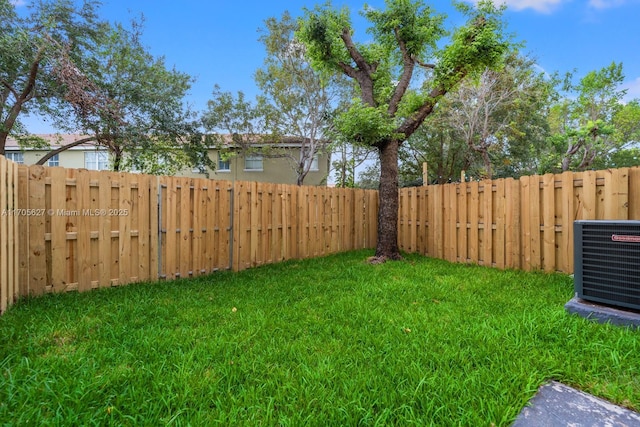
[495, 124]
[137, 111]
[347, 158]
[501, 115]
[39, 56]
[295, 99]
[232, 123]
[582, 126]
[395, 96]
[438, 145]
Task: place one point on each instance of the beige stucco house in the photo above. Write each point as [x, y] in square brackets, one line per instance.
[239, 167]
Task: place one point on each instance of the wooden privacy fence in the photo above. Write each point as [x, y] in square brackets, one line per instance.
[66, 229]
[8, 233]
[86, 229]
[523, 224]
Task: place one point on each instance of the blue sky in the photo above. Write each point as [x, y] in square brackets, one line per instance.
[216, 40]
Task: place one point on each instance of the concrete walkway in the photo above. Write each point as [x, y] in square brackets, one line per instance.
[557, 405]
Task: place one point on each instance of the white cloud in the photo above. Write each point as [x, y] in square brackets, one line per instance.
[605, 4]
[18, 2]
[633, 89]
[543, 6]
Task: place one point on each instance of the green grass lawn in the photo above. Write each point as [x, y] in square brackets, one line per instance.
[329, 341]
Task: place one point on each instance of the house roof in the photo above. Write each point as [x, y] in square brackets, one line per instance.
[56, 140]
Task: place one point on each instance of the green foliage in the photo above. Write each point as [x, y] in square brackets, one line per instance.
[328, 341]
[320, 31]
[494, 123]
[417, 25]
[362, 123]
[295, 99]
[40, 55]
[90, 77]
[474, 47]
[391, 70]
[583, 124]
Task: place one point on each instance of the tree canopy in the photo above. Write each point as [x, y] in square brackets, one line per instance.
[95, 78]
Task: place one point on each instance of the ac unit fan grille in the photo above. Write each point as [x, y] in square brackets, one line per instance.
[610, 269]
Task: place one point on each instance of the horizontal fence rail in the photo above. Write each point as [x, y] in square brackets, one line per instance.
[66, 229]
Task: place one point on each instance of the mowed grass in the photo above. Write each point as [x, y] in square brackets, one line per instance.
[329, 341]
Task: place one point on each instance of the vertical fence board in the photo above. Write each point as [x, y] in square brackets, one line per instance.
[463, 230]
[634, 193]
[143, 228]
[170, 206]
[499, 218]
[5, 214]
[58, 214]
[487, 218]
[548, 220]
[449, 223]
[104, 231]
[199, 221]
[473, 205]
[13, 233]
[568, 215]
[512, 226]
[123, 212]
[37, 254]
[81, 222]
[616, 185]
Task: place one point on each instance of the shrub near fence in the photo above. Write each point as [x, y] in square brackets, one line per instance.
[523, 224]
[95, 229]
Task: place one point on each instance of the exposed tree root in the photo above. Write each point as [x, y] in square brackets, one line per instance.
[381, 259]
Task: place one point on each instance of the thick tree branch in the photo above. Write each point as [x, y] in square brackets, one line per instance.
[405, 79]
[364, 73]
[52, 153]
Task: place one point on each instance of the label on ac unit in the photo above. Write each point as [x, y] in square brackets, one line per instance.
[625, 238]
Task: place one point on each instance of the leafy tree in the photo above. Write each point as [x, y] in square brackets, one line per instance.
[582, 127]
[295, 99]
[438, 145]
[136, 108]
[390, 70]
[347, 158]
[501, 115]
[41, 56]
[626, 134]
[233, 123]
[494, 124]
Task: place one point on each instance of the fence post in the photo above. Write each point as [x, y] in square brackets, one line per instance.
[232, 198]
[425, 175]
[159, 231]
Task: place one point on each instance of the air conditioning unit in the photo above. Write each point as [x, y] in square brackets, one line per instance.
[607, 262]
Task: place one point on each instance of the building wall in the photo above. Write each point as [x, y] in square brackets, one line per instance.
[275, 170]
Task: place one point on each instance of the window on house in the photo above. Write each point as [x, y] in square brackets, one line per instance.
[15, 156]
[54, 161]
[96, 160]
[314, 164]
[253, 163]
[223, 165]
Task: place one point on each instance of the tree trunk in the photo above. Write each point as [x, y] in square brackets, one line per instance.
[3, 141]
[387, 245]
